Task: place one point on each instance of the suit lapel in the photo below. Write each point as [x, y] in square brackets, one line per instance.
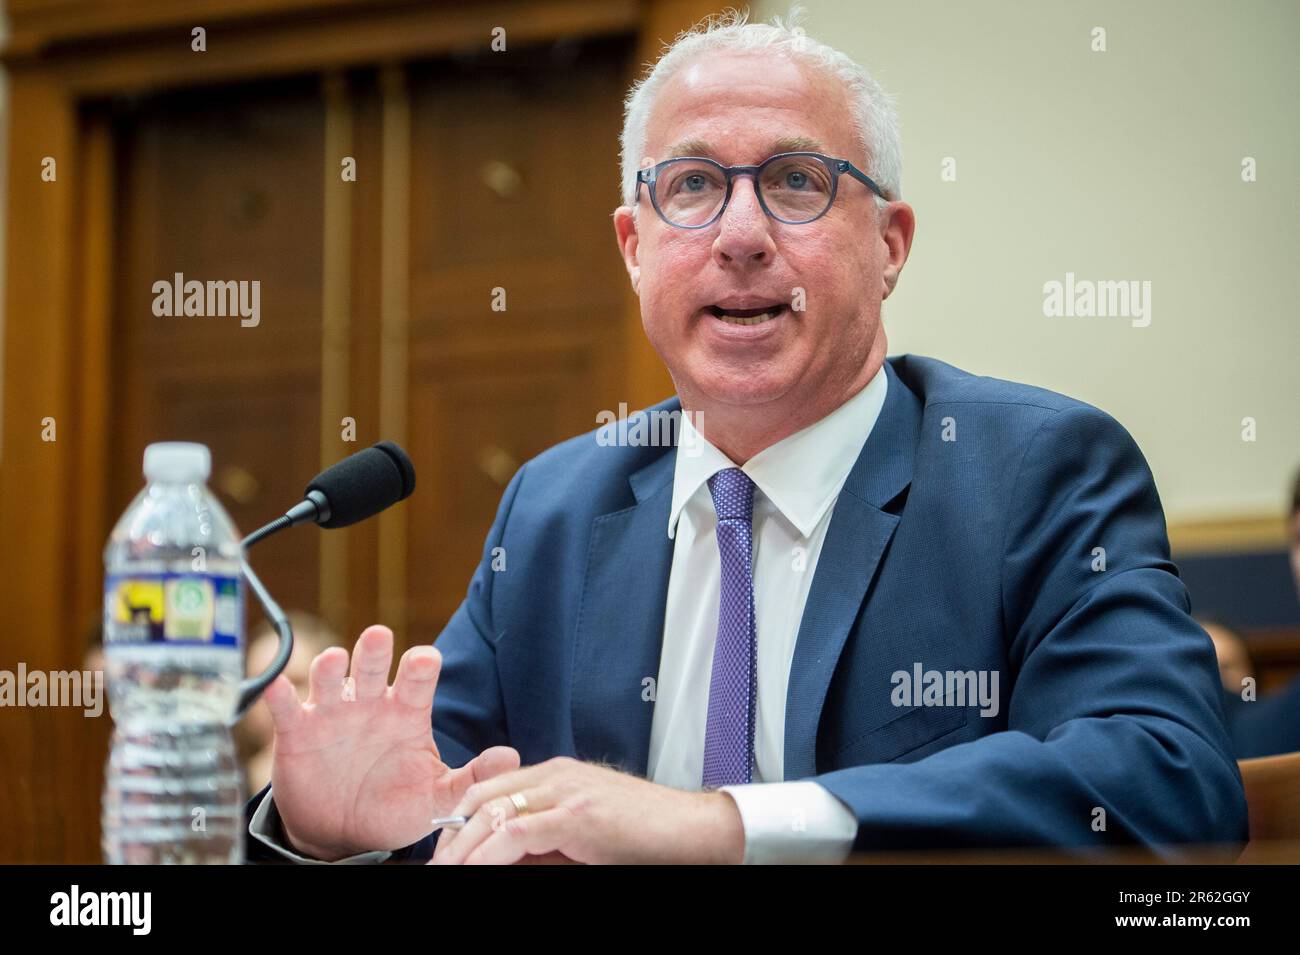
[621, 621]
[855, 542]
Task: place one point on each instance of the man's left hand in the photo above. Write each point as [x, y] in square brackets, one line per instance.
[593, 814]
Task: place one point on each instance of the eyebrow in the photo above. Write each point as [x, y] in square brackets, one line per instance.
[786, 144]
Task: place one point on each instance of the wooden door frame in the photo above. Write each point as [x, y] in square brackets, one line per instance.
[59, 249]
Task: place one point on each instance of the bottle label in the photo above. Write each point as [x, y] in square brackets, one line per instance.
[173, 608]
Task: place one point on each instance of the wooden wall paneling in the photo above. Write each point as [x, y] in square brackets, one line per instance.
[42, 22]
[395, 244]
[37, 523]
[477, 413]
[362, 540]
[513, 178]
[83, 742]
[336, 328]
[273, 38]
[251, 393]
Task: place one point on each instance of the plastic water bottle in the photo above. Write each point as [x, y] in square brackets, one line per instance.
[174, 652]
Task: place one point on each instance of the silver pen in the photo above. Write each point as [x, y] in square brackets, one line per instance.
[450, 822]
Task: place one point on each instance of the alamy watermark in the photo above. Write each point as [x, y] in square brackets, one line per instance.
[1085, 298]
[180, 297]
[922, 687]
[80, 688]
[74, 907]
[654, 428]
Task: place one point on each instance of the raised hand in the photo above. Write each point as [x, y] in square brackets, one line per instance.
[355, 767]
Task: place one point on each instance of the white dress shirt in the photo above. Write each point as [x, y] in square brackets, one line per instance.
[797, 482]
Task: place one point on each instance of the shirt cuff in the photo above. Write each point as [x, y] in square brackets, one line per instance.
[265, 827]
[797, 822]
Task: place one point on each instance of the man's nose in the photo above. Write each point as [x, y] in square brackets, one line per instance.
[744, 234]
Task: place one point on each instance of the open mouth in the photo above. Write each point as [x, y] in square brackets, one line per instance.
[747, 316]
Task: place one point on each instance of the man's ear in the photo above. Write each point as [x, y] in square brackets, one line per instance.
[896, 232]
[628, 241]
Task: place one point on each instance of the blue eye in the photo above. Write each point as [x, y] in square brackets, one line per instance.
[796, 180]
[693, 183]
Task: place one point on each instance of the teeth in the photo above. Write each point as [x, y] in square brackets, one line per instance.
[749, 319]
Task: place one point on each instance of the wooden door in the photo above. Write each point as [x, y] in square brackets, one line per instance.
[221, 185]
[517, 288]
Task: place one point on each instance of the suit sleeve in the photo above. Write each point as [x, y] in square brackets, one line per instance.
[468, 713]
[1115, 729]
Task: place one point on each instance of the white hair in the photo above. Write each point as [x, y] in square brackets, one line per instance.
[874, 112]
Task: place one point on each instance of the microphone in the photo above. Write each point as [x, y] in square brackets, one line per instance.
[358, 487]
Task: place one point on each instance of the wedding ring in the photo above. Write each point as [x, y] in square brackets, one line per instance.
[520, 803]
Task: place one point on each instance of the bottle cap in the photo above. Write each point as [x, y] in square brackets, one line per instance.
[177, 461]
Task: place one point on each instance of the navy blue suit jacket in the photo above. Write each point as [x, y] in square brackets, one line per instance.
[963, 540]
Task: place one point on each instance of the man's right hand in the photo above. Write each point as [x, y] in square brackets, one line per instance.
[359, 770]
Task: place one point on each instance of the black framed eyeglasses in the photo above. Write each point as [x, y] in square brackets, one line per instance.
[691, 192]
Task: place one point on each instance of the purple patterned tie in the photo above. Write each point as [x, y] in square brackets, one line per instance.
[729, 733]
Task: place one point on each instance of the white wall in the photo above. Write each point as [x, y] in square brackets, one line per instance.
[1117, 165]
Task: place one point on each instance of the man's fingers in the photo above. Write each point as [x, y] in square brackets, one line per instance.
[504, 784]
[417, 677]
[371, 660]
[482, 823]
[282, 700]
[487, 764]
[534, 834]
[327, 672]
[493, 762]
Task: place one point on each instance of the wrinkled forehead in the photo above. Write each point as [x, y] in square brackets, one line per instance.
[743, 107]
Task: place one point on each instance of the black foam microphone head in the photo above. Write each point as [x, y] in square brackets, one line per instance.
[365, 483]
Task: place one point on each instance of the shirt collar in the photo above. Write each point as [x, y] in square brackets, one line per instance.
[801, 474]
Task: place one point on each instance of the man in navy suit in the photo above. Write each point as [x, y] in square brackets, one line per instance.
[849, 603]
